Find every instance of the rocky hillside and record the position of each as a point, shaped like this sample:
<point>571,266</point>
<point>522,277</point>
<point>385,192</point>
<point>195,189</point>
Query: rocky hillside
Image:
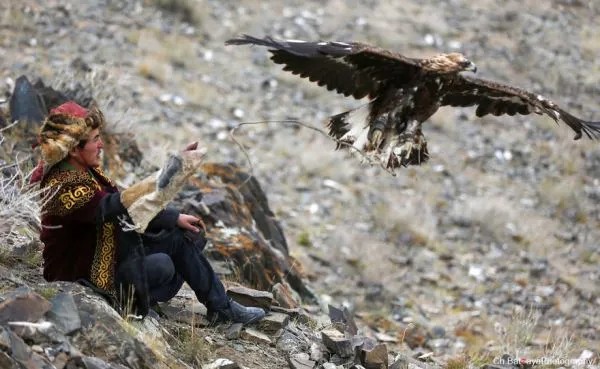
<point>490,248</point>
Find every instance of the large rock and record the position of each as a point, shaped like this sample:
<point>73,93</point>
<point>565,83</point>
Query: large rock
<point>99,337</point>
<point>241,227</point>
<point>23,305</point>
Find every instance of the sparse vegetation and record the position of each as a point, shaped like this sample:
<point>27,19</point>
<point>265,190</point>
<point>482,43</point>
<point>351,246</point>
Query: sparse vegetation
<point>459,362</point>
<point>516,335</point>
<point>188,10</point>
<point>47,292</point>
<point>304,239</point>
<point>19,206</point>
<point>192,346</point>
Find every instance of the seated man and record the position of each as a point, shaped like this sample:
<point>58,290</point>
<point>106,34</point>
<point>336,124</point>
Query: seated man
<point>90,229</point>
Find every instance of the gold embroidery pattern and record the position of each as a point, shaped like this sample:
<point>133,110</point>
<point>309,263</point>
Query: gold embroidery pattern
<point>53,182</point>
<point>71,190</point>
<point>97,185</point>
<point>102,175</point>
<point>80,194</point>
<point>102,274</point>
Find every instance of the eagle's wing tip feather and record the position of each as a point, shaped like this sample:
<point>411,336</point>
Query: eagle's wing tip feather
<point>591,129</point>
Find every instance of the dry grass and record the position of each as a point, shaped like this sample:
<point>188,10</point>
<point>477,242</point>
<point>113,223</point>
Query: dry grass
<point>188,11</point>
<point>47,292</point>
<point>11,14</point>
<point>304,239</point>
<point>20,204</point>
<point>516,338</point>
<point>559,194</point>
<point>190,344</point>
<point>459,362</point>
<point>160,54</point>
<point>516,335</point>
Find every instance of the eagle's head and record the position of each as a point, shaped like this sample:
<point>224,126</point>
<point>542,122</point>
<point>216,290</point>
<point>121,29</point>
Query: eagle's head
<point>449,63</point>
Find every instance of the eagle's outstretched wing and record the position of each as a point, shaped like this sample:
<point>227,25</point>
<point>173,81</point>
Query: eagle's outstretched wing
<point>499,99</point>
<point>352,69</point>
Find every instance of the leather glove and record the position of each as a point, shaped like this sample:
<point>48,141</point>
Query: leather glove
<point>145,199</point>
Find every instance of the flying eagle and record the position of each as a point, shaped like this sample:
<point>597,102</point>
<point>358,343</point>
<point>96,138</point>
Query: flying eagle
<point>403,92</point>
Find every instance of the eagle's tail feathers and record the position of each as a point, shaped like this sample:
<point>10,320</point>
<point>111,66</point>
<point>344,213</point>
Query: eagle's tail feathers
<point>350,127</point>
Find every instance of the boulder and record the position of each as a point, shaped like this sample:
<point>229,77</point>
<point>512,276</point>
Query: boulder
<point>241,228</point>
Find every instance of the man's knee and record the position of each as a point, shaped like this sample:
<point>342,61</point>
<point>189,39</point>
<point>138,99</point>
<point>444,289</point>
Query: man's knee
<point>159,268</point>
<point>195,240</point>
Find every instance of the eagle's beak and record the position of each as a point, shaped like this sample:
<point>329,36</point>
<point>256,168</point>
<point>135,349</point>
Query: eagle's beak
<point>471,67</point>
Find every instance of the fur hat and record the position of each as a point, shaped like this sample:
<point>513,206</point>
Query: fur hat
<point>64,128</point>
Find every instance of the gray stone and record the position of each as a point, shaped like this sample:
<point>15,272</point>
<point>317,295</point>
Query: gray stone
<point>233,331</point>
<point>221,363</point>
<point>253,335</point>
<point>249,297</point>
<point>344,318</point>
<point>4,339</point>
<point>297,314</point>
<point>184,314</point>
<point>316,351</point>
<point>399,363</point>
<point>60,360</point>
<point>64,313</point>
<point>363,342</point>
<point>91,362</point>
<point>239,347</point>
<point>288,342</point>
<point>274,322</point>
<point>18,348</point>
<point>375,358</point>
<point>7,362</point>
<point>23,305</point>
<point>438,343</point>
<point>285,296</point>
<point>301,361</point>
<point>38,361</point>
<point>403,361</point>
<point>336,342</point>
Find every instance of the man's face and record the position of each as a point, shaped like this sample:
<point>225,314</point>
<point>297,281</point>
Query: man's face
<point>89,155</point>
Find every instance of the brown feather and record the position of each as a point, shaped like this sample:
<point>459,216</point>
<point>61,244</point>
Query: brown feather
<point>498,99</point>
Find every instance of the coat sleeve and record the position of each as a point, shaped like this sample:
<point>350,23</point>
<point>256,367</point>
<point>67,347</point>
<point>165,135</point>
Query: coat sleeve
<point>165,219</point>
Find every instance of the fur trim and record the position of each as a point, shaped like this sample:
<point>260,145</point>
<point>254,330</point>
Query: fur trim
<point>64,128</point>
<point>145,199</point>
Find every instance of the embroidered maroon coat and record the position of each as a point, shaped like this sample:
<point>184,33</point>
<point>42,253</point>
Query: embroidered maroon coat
<point>83,239</point>
<point>77,245</point>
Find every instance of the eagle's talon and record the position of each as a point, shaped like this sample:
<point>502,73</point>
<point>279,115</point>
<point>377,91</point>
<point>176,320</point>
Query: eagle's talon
<point>375,140</point>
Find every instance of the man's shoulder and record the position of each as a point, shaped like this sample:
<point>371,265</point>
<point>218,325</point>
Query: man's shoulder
<point>101,175</point>
<point>63,178</point>
<point>68,190</point>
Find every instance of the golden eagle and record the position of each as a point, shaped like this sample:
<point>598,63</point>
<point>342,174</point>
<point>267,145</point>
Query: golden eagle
<point>403,92</point>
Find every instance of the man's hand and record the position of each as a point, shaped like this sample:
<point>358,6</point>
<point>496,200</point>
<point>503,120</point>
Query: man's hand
<point>188,222</point>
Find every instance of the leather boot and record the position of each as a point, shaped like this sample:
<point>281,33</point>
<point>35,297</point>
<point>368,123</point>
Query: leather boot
<point>237,313</point>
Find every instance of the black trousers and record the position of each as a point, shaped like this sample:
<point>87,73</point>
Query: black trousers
<point>175,256</point>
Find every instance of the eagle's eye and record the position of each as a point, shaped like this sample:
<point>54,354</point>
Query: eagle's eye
<point>468,65</point>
